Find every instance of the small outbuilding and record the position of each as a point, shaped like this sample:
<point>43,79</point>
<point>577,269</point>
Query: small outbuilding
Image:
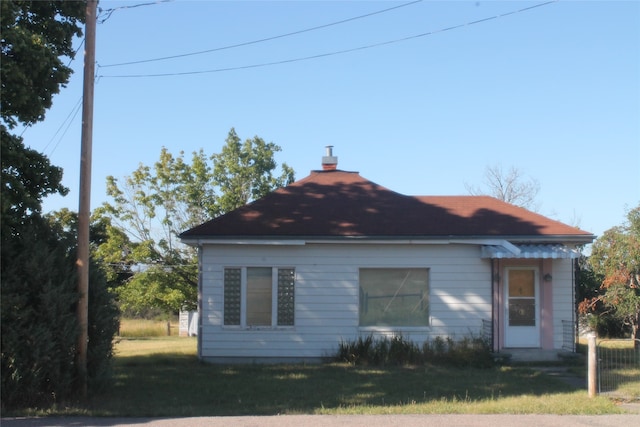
<point>334,257</point>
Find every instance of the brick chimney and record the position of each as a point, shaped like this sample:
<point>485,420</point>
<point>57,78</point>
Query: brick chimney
<point>329,162</point>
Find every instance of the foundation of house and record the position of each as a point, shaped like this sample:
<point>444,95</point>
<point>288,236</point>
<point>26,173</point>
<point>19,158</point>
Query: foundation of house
<point>520,355</point>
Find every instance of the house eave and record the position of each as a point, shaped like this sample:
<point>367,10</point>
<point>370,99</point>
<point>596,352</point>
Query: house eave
<point>507,241</point>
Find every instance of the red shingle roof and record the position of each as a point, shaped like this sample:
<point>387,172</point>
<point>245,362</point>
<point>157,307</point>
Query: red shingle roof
<point>339,204</point>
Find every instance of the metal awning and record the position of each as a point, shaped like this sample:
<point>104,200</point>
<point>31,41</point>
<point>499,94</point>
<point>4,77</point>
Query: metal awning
<point>529,251</point>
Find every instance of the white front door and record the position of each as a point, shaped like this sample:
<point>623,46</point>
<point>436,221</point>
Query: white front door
<point>522,314</point>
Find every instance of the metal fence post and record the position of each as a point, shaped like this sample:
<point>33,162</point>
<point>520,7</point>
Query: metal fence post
<point>592,365</point>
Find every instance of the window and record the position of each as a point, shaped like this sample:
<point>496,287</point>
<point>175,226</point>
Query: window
<point>286,296</point>
<point>232,296</point>
<point>394,297</point>
<point>259,296</point>
<point>522,297</point>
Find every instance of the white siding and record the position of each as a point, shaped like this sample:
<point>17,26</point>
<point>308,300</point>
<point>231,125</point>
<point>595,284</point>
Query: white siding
<point>563,297</point>
<point>327,297</point>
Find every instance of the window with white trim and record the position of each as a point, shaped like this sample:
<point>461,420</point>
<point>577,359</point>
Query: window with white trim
<point>259,296</point>
<point>394,297</point>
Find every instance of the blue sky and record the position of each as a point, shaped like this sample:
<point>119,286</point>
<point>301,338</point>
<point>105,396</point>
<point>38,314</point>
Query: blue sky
<point>420,98</point>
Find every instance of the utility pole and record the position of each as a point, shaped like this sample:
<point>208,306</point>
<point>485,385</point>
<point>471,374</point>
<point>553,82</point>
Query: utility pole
<point>84,211</point>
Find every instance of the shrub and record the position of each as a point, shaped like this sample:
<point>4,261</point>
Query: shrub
<point>469,351</point>
<point>39,324</point>
<point>103,326</point>
<point>397,350</point>
<point>356,352</point>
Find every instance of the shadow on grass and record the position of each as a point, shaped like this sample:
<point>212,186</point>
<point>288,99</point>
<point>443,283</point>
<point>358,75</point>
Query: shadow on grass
<point>181,385</point>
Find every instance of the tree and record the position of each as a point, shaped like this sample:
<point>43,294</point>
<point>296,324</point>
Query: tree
<point>27,177</point>
<point>37,272</point>
<point>616,257</point>
<point>111,251</point>
<point>511,187</point>
<point>151,208</point>
<point>108,244</point>
<point>244,172</point>
<point>36,36</point>
<point>155,204</point>
<point>39,325</point>
<point>103,320</point>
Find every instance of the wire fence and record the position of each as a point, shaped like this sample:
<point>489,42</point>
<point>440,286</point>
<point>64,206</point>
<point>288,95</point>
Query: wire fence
<point>619,368</point>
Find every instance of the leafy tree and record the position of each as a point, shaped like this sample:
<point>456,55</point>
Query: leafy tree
<point>36,36</point>
<point>108,244</point>
<point>616,257</point>
<point>511,187</point>
<point>27,177</point>
<point>244,171</point>
<point>587,288</point>
<point>111,251</point>
<point>37,272</point>
<point>155,204</point>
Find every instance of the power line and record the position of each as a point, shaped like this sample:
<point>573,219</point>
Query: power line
<point>75,52</point>
<point>71,117</point>
<point>334,53</point>
<point>74,111</point>
<point>109,12</point>
<point>264,39</point>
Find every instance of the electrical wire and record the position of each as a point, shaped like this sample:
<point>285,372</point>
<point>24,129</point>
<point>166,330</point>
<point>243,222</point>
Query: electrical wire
<point>68,65</point>
<point>334,53</point>
<point>75,111</point>
<point>263,39</point>
<point>109,12</point>
<point>76,108</point>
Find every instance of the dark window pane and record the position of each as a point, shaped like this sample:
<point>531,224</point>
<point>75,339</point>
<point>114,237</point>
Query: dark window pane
<point>232,296</point>
<point>394,297</point>
<point>286,298</point>
<point>259,291</point>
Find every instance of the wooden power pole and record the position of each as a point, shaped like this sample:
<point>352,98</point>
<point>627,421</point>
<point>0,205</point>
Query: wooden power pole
<point>84,211</point>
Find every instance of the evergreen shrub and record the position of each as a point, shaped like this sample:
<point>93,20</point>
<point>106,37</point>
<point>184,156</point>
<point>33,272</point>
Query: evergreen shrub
<point>39,324</point>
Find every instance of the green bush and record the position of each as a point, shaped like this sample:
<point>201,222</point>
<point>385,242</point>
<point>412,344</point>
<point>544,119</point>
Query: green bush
<point>397,350</point>
<point>39,324</point>
<point>103,326</point>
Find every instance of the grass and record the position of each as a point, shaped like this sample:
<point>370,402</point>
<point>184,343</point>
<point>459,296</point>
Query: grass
<point>134,328</point>
<point>163,377</point>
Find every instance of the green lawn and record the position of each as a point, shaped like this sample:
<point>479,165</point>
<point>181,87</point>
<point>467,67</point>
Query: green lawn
<point>163,377</point>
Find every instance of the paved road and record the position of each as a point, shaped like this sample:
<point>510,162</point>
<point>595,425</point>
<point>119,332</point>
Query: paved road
<point>630,420</point>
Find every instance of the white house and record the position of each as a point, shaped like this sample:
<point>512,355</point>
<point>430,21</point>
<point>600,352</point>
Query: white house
<point>334,256</point>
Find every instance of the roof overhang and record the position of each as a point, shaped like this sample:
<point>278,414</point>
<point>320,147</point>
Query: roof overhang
<point>505,245</point>
<point>554,251</point>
